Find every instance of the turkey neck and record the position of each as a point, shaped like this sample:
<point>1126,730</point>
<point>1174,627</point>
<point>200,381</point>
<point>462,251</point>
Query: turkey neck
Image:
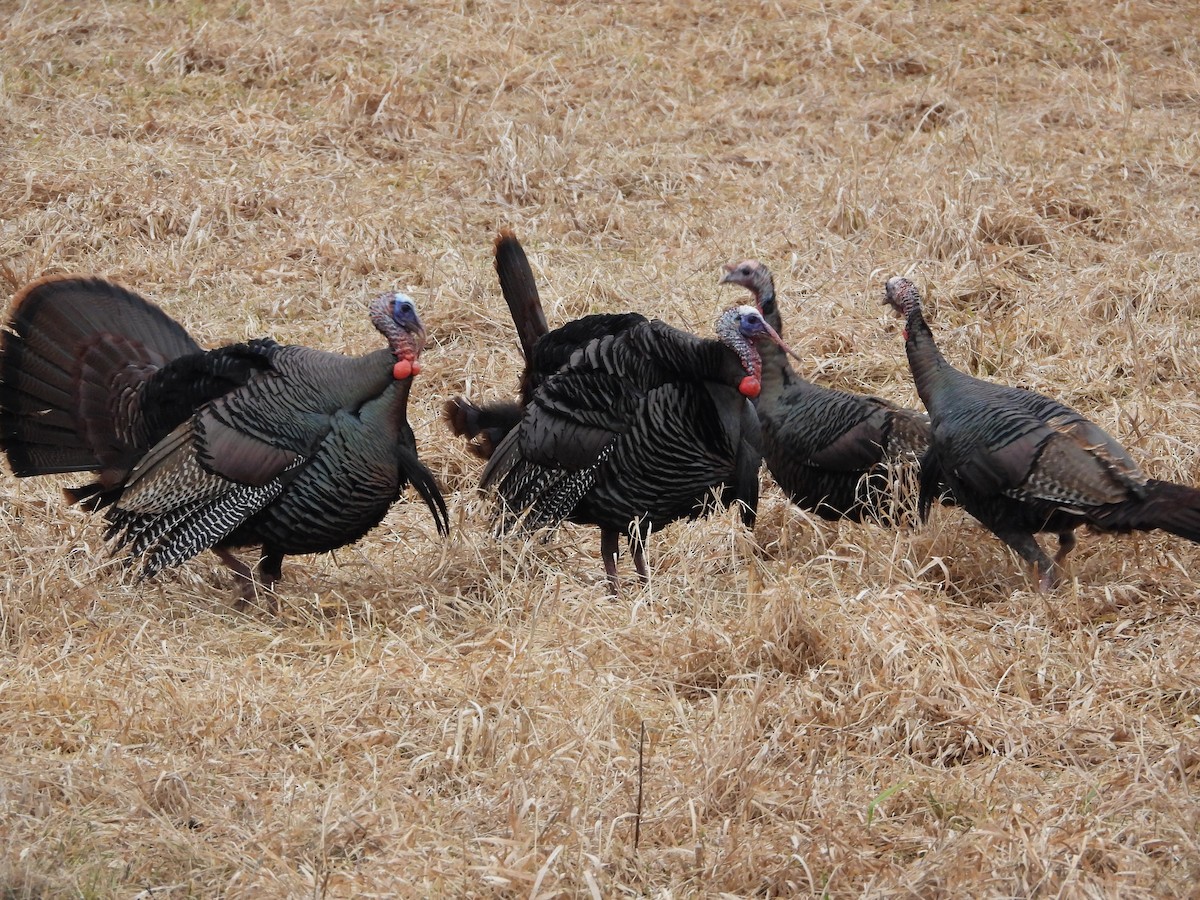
<point>924,358</point>
<point>396,392</point>
<point>777,371</point>
<point>355,383</point>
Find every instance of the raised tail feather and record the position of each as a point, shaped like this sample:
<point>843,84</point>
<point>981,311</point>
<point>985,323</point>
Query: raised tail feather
<point>520,291</point>
<point>74,350</point>
<point>484,426</point>
<point>1166,505</point>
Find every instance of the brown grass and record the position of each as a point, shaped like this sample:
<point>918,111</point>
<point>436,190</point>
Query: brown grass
<point>828,710</point>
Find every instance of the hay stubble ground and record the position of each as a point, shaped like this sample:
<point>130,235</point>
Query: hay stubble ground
<point>827,709</point>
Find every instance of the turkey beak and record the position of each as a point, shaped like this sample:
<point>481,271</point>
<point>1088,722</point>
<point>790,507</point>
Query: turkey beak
<point>779,342</point>
<point>728,276</point>
<point>789,351</point>
<point>417,330</point>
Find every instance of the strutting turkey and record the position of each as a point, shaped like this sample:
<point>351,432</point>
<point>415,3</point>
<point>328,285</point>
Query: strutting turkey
<point>1022,463</point>
<point>545,351</point>
<point>639,429</point>
<point>838,454</point>
<point>256,443</point>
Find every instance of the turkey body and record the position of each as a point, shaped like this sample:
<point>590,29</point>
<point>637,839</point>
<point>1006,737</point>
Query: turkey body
<point>1023,463</point>
<point>639,429</point>
<point>545,351</point>
<point>293,449</point>
<point>838,454</point>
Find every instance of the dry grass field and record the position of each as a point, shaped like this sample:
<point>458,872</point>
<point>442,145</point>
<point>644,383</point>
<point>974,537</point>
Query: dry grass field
<point>827,710</point>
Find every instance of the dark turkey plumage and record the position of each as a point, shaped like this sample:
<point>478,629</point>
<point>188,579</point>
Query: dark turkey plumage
<point>838,454</point>
<point>1022,463</point>
<point>545,352</point>
<point>639,429</point>
<point>293,449</point>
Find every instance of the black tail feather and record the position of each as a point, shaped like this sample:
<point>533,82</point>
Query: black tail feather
<point>1166,505</point>
<point>68,339</point>
<point>520,291</point>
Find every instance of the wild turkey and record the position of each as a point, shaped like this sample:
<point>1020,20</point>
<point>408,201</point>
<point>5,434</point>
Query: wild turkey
<point>1022,463</point>
<point>545,351</point>
<point>293,449</point>
<point>639,429</point>
<point>838,454</point>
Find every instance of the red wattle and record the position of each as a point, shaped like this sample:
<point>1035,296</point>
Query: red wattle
<point>403,369</point>
<point>750,387</point>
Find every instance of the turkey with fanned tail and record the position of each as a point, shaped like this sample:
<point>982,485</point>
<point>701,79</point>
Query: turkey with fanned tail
<point>288,448</point>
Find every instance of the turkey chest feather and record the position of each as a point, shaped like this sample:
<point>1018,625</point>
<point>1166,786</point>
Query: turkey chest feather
<point>287,448</point>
